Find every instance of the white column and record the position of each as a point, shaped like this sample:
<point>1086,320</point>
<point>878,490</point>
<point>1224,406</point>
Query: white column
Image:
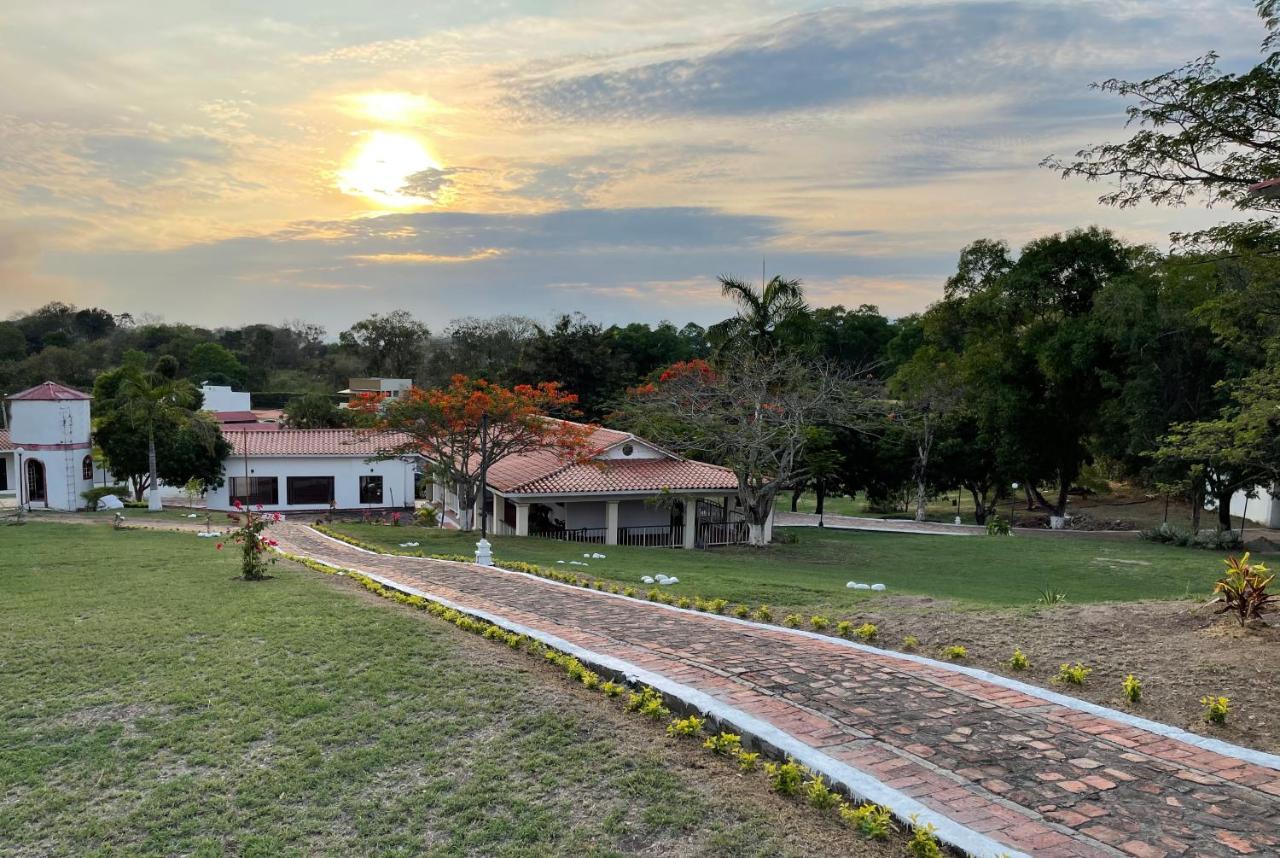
<point>496,524</point>
<point>522,519</point>
<point>611,522</point>
<point>690,523</point>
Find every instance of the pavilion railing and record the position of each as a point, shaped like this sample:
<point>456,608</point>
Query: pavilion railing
<point>654,536</point>
<point>579,534</point>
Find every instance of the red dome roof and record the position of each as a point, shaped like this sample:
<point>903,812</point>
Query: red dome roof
<point>50,391</point>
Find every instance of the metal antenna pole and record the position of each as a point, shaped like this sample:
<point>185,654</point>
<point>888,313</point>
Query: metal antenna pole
<point>484,475</point>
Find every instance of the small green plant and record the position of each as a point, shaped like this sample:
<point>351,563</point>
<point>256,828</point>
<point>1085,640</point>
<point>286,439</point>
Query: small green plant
<point>741,611</point>
<point>819,622</point>
<point>747,760</point>
<point>629,591</point>
<point>955,652</point>
<point>998,526</point>
<point>764,614</point>
<point>1132,686</point>
<point>649,703</point>
<point>1215,709</point>
<point>844,628</point>
<point>1072,674</point>
<point>867,632</point>
<point>686,602</point>
<point>690,726</point>
<point>1243,590</point>
<point>871,820</point>
<point>717,606</point>
<point>1050,596</point>
<point>785,778</point>
<point>1018,661</point>
<point>911,643</point>
<point>792,621</point>
<point>819,795</point>
<point>724,744</point>
<point>923,843</point>
<point>426,516</point>
<point>612,689</point>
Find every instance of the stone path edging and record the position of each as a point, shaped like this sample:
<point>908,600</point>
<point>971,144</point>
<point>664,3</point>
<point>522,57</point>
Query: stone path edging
<point>857,783</point>
<point>1218,746</point>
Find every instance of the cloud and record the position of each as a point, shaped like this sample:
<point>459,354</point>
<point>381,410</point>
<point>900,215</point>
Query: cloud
<point>141,160</point>
<point>424,258</point>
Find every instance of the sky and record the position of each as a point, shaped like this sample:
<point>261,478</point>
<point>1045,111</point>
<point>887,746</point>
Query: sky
<point>234,162</point>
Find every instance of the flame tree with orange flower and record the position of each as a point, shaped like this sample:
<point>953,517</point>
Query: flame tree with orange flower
<point>471,424</point>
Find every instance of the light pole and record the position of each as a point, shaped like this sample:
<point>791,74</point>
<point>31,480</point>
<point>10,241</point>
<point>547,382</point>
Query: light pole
<point>484,475</point>
<point>1012,500</point>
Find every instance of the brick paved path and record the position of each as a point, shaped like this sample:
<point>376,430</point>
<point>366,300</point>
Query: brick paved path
<point>1035,776</point>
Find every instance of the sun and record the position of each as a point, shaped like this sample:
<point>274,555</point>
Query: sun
<point>380,166</point>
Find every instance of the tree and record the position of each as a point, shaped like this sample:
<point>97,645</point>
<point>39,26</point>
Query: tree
<point>576,353</point>
<point>930,388</point>
<point>148,402</point>
<point>212,364</point>
<point>1202,133</point>
<point>763,314</point>
<point>394,345</point>
<point>755,414</point>
<point>471,424</point>
<point>315,411</point>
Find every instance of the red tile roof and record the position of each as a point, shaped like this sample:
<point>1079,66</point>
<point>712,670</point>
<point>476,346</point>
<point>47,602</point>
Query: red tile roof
<point>50,391</point>
<point>6,444</point>
<point>546,472</point>
<point>235,416</point>
<point>311,442</point>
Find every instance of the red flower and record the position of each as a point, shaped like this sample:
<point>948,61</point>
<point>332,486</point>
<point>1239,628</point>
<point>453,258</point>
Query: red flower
<point>218,546</point>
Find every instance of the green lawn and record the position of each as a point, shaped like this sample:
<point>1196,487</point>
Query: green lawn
<point>811,573</point>
<point>152,704</point>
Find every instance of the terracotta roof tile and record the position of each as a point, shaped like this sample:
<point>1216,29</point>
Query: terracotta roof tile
<point>50,391</point>
<point>6,443</point>
<point>311,442</point>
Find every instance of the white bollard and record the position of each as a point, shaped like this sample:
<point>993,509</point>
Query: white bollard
<point>484,553</point>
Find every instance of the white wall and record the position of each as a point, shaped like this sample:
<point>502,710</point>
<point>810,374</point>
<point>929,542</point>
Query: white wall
<point>1263,509</point>
<point>49,422</point>
<point>221,398</point>
<point>639,450</point>
<point>63,477</point>
<point>397,479</point>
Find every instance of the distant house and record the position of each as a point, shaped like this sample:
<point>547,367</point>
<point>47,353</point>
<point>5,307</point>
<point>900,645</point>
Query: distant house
<point>626,495</point>
<point>46,456</point>
<point>314,470</point>
<point>381,388</point>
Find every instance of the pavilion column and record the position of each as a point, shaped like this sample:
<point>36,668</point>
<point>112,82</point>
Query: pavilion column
<point>611,522</point>
<point>496,524</point>
<point>690,523</point>
<point>522,519</point>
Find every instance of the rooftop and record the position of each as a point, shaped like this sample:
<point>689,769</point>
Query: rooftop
<point>310,442</point>
<point>50,391</point>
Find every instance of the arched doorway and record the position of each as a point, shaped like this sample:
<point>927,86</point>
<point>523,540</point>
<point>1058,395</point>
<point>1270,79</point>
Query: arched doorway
<point>36,491</point>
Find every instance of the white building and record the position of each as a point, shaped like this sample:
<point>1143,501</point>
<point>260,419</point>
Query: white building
<point>46,454</point>
<point>220,398</point>
<point>379,388</point>
<point>629,492</point>
<point>1263,508</point>
<point>314,470</point>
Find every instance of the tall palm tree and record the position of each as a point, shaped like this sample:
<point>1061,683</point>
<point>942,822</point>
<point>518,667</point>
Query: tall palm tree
<point>149,400</point>
<point>760,311</point>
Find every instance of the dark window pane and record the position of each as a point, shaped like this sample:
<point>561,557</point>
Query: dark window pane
<point>86,468</point>
<point>255,490</point>
<point>310,490</point>
<point>371,489</point>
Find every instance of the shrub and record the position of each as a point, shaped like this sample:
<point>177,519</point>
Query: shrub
<point>724,744</point>
<point>629,591</point>
<point>747,760</point>
<point>649,703</point>
<point>685,602</point>
<point>1072,674</point>
<point>871,820</point>
<point>923,844</point>
<point>717,606</point>
<point>955,652</point>
<point>255,544</point>
<point>819,622</point>
<point>844,628</point>
<point>818,794</point>
<point>741,611</point>
<point>612,689</point>
<point>867,632</point>
<point>1132,686</point>
<point>653,595</point>
<point>690,726</point>
<point>792,621</point>
<point>1215,709</point>
<point>911,643</point>
<point>1218,540</point>
<point>1018,661</point>
<point>785,778</point>
<point>1166,534</point>
<point>1243,590</point>
<point>1050,596</point>
<point>764,614</point>
<point>426,516</point>
<point>997,526</point>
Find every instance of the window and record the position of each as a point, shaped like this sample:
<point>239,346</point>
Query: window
<point>316,491</point>
<point>4,476</point>
<point>627,449</point>
<point>255,490</point>
<point>371,489</point>
<point>86,468</point>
